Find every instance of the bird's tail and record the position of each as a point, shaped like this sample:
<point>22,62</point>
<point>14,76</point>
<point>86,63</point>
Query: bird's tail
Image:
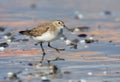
<point>27,32</point>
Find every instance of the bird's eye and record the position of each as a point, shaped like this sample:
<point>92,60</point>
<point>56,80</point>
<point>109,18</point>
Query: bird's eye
<point>59,22</point>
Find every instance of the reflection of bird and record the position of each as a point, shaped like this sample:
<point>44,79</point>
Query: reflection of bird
<point>46,32</point>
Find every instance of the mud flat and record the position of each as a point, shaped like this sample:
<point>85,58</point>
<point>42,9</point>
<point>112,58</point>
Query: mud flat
<point>91,53</point>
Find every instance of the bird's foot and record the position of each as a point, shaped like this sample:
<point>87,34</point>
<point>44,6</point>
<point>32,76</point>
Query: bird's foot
<point>58,50</point>
<point>56,59</point>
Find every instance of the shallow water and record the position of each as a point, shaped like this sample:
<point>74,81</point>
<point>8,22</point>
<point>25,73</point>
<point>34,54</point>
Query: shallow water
<point>97,61</point>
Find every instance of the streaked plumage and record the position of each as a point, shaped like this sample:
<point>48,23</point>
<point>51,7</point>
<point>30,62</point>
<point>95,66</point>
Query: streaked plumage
<point>46,32</point>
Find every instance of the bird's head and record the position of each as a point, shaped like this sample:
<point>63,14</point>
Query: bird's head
<point>59,23</point>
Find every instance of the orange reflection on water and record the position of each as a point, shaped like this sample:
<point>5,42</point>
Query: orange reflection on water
<point>18,24</point>
<point>32,52</point>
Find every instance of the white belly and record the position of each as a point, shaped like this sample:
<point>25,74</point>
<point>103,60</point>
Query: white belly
<point>47,37</point>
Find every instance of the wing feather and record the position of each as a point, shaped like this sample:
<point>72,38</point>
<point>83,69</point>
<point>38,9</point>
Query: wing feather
<point>39,30</point>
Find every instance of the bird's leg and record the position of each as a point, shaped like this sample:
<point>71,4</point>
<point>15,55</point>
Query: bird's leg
<point>43,52</point>
<point>56,59</point>
<point>55,48</point>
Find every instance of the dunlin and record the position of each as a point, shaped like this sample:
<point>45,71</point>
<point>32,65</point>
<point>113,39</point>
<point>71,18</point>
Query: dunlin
<point>46,32</point>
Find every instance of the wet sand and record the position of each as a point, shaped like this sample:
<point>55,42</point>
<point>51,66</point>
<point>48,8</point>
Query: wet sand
<point>96,61</point>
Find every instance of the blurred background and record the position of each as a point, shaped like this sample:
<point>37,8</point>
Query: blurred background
<point>96,60</point>
<point>92,13</point>
<point>66,10</point>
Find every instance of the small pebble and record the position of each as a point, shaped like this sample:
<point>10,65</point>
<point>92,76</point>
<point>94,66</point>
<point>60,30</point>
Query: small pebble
<point>36,44</point>
<point>20,62</point>
<point>9,41</point>
<point>76,30</point>
<point>86,46</point>
<point>38,66</point>
<point>37,75</point>
<point>75,40</point>
<point>83,80</point>
<point>82,35</point>
<point>2,49</point>
<point>78,15</point>
<point>82,41</point>
<point>53,69</point>
<point>4,44</point>
<point>30,64</point>
<point>29,75</point>
<point>105,72</point>
<point>107,12</point>
<point>71,81</point>
<point>117,72</point>
<point>12,75</point>
<point>45,79</point>
<point>68,42</point>
<point>2,29</point>
<point>106,81</point>
<point>91,38</point>
<point>63,38</point>
<point>67,72</point>
<point>26,69</point>
<point>33,6</point>
<point>110,41</point>
<point>89,41</point>
<point>5,37</point>
<point>89,73</point>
